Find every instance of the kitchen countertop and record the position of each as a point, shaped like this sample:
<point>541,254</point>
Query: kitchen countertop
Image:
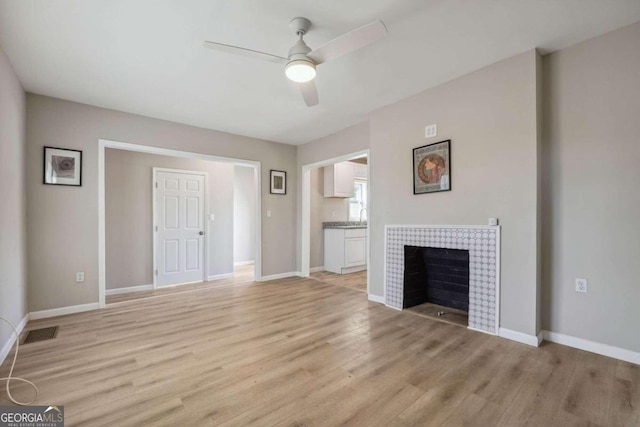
<point>344,224</point>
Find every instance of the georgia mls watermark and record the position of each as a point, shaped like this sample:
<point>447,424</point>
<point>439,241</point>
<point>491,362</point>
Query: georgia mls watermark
<point>31,416</point>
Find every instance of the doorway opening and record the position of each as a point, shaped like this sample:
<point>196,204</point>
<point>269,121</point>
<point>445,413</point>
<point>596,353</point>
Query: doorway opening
<point>335,227</point>
<point>169,215</point>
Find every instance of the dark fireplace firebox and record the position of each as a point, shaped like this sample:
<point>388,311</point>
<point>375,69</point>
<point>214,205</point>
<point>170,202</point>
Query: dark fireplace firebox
<point>436,275</point>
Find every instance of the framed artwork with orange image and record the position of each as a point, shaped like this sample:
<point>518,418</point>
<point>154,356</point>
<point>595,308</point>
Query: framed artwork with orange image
<point>432,168</point>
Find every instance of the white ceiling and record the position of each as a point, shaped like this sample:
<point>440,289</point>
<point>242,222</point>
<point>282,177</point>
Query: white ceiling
<point>146,56</point>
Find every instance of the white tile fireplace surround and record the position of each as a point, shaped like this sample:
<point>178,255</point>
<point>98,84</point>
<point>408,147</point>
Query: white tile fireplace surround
<point>483,244</point>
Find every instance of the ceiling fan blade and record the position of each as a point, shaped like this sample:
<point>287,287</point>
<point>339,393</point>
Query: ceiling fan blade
<point>246,52</point>
<point>309,93</point>
<point>349,42</point>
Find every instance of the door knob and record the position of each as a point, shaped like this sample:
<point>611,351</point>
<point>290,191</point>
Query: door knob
<point>201,233</point>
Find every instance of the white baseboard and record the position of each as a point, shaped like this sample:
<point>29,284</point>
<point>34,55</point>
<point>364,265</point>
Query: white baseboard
<point>316,269</point>
<point>279,276</point>
<point>6,348</point>
<point>481,331</point>
<point>593,347</point>
<point>348,270</point>
<point>239,263</point>
<point>44,314</point>
<point>390,306</point>
<point>219,276</point>
<point>118,291</point>
<point>375,298</point>
<point>532,340</point>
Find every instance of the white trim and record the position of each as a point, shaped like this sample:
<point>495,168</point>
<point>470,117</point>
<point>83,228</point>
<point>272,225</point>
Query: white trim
<point>54,312</point>
<point>315,269</point>
<point>368,235</point>
<point>375,298</point>
<point>102,264</point>
<point>593,347</point>
<point>118,291</point>
<point>390,306</point>
<point>6,349</point>
<point>481,330</point>
<point>280,276</point>
<point>219,276</point>
<point>482,227</point>
<point>239,263</point>
<point>349,270</point>
<point>154,219</point>
<point>103,144</point>
<point>531,340</point>
<point>257,172</point>
<point>305,231</point>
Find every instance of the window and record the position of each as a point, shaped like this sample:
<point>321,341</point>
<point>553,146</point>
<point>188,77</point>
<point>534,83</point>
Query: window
<point>358,203</point>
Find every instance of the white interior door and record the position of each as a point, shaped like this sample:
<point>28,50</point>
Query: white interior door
<point>180,228</point>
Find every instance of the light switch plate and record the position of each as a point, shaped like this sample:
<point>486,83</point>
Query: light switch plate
<point>80,277</point>
<point>431,131</point>
<point>268,213</point>
<point>581,285</point>
<point>212,217</point>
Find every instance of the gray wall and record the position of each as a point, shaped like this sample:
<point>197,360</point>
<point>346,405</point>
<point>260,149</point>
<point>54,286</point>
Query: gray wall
<point>13,274</point>
<point>591,170</point>
<point>129,214</point>
<point>244,207</point>
<point>490,116</point>
<point>63,221</point>
<point>321,211</point>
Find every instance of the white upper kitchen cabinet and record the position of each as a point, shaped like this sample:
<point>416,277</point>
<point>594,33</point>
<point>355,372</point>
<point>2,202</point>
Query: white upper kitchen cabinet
<point>338,180</point>
<point>360,171</point>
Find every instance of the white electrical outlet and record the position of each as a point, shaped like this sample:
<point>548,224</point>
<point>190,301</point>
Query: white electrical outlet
<point>431,131</point>
<point>493,221</point>
<point>212,217</point>
<point>80,277</point>
<point>581,285</point>
<point>268,213</point>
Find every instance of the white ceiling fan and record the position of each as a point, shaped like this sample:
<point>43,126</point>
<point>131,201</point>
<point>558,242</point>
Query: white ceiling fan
<point>300,65</point>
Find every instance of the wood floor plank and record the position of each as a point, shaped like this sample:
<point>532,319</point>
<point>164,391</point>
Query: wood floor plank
<point>592,379</point>
<point>308,352</point>
<point>625,400</point>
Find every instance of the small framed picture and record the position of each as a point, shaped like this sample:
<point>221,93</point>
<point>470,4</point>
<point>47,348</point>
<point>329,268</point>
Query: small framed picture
<point>432,168</point>
<point>62,166</point>
<point>278,182</point>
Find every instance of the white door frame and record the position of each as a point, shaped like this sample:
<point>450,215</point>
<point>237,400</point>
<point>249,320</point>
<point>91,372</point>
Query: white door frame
<point>205,221</point>
<point>305,247</point>
<point>103,144</point>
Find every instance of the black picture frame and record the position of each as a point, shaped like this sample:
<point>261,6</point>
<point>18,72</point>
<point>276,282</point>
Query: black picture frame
<point>437,178</point>
<point>277,182</point>
<point>67,159</point>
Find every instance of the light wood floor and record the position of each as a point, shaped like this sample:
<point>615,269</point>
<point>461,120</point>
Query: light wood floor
<point>357,281</point>
<point>296,352</point>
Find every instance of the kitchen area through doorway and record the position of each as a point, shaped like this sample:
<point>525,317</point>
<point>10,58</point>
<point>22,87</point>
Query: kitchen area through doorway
<point>338,223</point>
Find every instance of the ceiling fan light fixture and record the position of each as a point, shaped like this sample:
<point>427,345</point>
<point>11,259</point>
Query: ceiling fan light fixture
<point>300,71</point>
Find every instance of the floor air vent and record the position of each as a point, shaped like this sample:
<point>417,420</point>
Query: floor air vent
<point>43,334</point>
